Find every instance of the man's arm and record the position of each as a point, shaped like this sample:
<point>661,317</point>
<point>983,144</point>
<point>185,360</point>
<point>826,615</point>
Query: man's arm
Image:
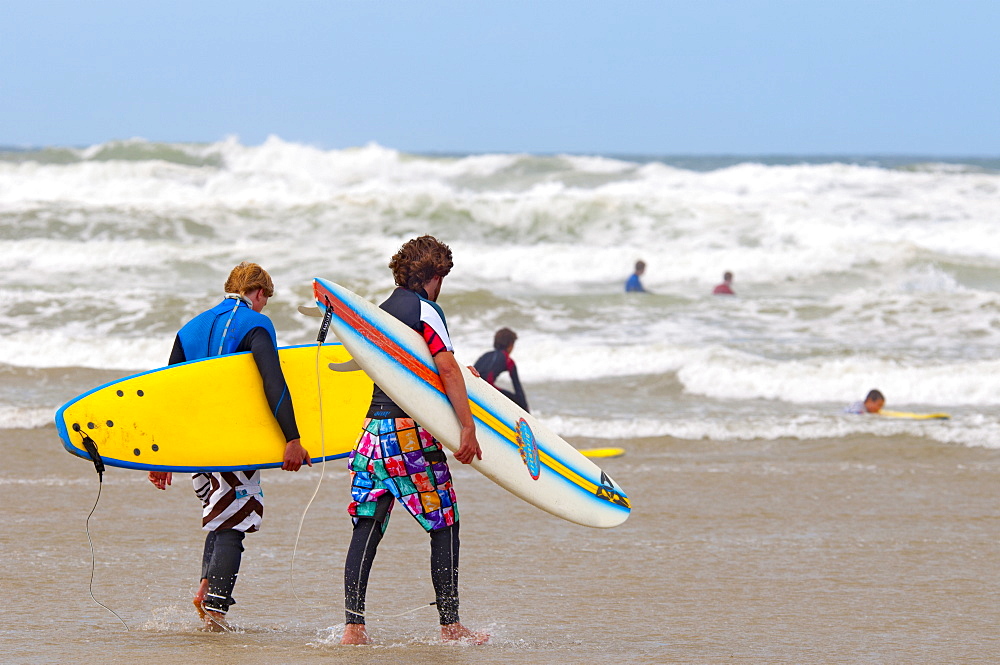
<point>177,353</point>
<point>454,387</point>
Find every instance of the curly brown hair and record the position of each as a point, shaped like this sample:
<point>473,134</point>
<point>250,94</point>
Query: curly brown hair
<point>247,277</point>
<point>419,260</point>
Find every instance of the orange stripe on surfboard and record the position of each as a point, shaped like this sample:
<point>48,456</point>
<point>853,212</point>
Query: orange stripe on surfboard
<point>377,337</point>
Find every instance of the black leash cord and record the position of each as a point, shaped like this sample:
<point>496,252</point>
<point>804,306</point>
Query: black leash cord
<point>91,448</point>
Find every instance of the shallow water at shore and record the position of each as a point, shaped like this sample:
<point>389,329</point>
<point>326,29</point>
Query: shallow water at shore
<point>861,550</point>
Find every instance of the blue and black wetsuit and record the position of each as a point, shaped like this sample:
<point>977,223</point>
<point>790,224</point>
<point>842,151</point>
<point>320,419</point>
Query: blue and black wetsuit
<point>633,284</point>
<point>232,501</point>
<point>233,327</point>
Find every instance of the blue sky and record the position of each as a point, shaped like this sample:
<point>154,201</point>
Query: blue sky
<point>627,77</point>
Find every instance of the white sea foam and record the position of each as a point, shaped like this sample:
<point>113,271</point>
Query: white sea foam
<point>974,430</point>
<point>48,348</point>
<point>720,375</point>
<point>724,374</point>
<point>19,417</point>
<point>767,223</point>
<point>849,277</point>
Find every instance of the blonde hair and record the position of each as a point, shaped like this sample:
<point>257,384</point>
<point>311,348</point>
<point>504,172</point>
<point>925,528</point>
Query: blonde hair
<point>247,277</point>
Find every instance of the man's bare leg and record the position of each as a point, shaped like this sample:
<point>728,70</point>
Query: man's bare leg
<point>355,633</point>
<point>456,632</point>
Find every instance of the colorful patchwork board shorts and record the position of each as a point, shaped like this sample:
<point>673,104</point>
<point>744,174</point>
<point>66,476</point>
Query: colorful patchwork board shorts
<point>398,457</point>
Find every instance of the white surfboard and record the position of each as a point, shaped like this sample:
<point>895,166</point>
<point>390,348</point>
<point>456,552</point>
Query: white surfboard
<point>520,453</point>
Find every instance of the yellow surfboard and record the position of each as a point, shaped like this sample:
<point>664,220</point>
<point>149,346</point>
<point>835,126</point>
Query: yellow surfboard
<point>212,415</point>
<point>914,416</point>
<point>602,452</point>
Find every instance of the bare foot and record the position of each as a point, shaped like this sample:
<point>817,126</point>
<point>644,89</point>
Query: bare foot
<point>355,633</point>
<point>456,632</point>
<point>215,622</point>
<point>199,599</point>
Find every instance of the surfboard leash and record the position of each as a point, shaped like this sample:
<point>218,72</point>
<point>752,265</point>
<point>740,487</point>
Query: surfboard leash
<point>324,330</point>
<point>95,457</point>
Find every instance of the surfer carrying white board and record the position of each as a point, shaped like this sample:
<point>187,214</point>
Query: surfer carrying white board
<point>397,459</point>
<point>494,363</point>
<point>232,501</point>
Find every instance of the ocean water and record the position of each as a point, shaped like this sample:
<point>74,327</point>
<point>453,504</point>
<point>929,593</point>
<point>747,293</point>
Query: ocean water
<point>851,274</point>
<point>767,525</point>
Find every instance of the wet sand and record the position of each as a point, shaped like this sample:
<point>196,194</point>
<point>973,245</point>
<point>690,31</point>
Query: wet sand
<point>835,551</point>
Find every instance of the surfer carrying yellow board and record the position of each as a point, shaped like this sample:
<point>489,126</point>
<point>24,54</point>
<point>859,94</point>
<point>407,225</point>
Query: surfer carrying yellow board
<point>232,501</point>
<point>396,458</point>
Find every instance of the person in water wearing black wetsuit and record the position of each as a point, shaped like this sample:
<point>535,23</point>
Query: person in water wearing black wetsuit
<point>494,363</point>
<point>232,501</point>
<point>397,459</point>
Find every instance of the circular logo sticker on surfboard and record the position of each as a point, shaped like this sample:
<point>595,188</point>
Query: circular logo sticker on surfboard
<point>529,448</point>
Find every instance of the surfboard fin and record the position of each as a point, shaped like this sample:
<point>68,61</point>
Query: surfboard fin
<point>350,366</point>
<point>310,311</point>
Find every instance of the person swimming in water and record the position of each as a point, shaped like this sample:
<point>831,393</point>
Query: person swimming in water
<point>633,283</point>
<point>726,287</point>
<point>873,403</point>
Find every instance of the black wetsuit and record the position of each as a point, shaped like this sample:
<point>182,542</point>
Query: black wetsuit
<point>494,363</point>
<point>424,316</point>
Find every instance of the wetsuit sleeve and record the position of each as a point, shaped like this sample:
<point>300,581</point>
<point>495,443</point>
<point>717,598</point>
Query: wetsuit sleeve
<point>258,341</point>
<point>434,341</point>
<point>177,353</point>
<point>519,397</point>
<point>433,328</point>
